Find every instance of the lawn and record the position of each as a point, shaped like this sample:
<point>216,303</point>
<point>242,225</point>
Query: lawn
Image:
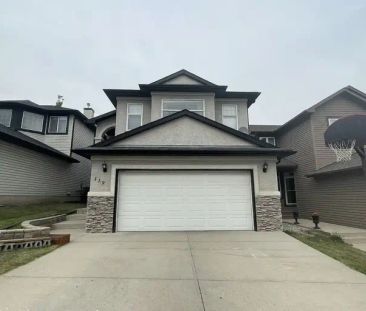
<point>13,259</point>
<point>13,215</point>
<point>333,246</point>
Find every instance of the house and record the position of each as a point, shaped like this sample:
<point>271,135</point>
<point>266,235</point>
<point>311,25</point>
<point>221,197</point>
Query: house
<point>36,158</point>
<point>181,159</point>
<point>311,180</point>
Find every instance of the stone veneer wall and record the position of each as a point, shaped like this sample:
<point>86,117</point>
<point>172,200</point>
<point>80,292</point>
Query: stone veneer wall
<point>99,214</point>
<point>269,216</point>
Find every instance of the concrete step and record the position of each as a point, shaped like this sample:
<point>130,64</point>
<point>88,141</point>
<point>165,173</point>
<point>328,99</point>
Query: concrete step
<point>69,224</point>
<point>76,217</point>
<point>81,210</point>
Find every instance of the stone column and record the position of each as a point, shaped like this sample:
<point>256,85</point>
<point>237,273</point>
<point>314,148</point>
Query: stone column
<point>269,216</point>
<point>99,215</point>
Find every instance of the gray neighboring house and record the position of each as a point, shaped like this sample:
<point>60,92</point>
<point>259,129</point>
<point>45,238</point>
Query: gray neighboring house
<point>311,180</point>
<point>181,159</point>
<point>36,158</point>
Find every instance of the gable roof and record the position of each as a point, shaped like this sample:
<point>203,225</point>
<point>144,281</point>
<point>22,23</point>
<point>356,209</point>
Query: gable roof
<point>306,113</point>
<point>203,86</point>
<point>17,138</point>
<point>183,72</point>
<point>259,148</point>
<point>177,115</point>
<point>263,128</point>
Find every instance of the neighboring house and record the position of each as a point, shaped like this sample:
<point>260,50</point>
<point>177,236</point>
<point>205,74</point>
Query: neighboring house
<point>181,159</point>
<point>36,158</point>
<point>311,180</point>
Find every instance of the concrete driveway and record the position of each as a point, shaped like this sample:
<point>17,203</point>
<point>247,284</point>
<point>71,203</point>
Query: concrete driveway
<point>183,271</point>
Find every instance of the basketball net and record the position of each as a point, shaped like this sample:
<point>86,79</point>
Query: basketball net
<point>343,149</point>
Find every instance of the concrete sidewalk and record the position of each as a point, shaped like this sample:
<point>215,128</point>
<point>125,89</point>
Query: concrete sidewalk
<point>146,271</point>
<point>354,236</point>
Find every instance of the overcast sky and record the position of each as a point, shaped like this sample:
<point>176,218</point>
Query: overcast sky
<point>294,52</point>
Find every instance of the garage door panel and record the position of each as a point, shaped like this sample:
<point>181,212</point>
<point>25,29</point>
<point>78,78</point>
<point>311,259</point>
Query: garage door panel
<point>184,200</point>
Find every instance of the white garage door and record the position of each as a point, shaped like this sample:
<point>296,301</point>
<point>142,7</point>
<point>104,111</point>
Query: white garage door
<point>159,200</point>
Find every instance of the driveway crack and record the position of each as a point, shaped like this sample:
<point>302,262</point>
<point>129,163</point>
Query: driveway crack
<point>195,273</point>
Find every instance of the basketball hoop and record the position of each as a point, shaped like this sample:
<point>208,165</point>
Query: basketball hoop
<point>343,149</point>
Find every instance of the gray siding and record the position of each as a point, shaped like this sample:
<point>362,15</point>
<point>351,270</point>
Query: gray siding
<point>338,198</point>
<point>339,107</point>
<point>83,136</point>
<point>24,172</point>
<point>300,138</point>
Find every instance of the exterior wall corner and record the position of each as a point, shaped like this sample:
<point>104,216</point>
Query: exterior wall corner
<point>99,215</point>
<point>268,212</point>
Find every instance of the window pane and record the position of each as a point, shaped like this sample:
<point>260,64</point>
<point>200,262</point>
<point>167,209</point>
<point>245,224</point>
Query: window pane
<point>133,121</point>
<point>5,116</point>
<point>134,109</point>
<point>62,124</point>
<point>290,184</point>
<point>52,126</point>
<point>181,105</point>
<point>230,121</point>
<point>271,140</point>
<point>229,110</point>
<point>32,121</point>
<point>291,197</point>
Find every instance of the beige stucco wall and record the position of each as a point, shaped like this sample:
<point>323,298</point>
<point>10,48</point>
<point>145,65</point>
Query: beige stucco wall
<point>184,131</point>
<point>157,98</point>
<point>242,108</point>
<point>103,184</point>
<point>121,111</point>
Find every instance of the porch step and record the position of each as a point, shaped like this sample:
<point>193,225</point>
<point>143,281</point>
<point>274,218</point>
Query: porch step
<point>76,217</point>
<point>70,224</point>
<point>81,210</point>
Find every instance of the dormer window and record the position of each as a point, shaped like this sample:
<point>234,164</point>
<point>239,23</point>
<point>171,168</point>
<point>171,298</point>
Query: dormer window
<point>134,116</point>
<point>230,115</point>
<point>170,106</point>
<point>32,121</point>
<point>5,117</point>
<point>57,125</point>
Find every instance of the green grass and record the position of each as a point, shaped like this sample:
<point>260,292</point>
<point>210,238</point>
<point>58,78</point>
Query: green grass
<point>13,215</point>
<point>13,259</point>
<point>333,246</point>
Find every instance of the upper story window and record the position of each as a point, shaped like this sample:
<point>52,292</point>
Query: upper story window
<point>134,116</point>
<point>5,116</point>
<point>230,115</point>
<point>32,121</point>
<point>57,125</point>
<point>171,106</point>
<point>269,140</point>
<point>331,120</point>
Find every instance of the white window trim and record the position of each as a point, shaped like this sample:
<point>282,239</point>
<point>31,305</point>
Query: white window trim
<point>285,176</point>
<point>127,114</point>
<point>11,116</point>
<point>330,118</point>
<point>21,126</point>
<point>58,123</point>
<point>266,139</point>
<point>236,114</point>
<point>183,100</point>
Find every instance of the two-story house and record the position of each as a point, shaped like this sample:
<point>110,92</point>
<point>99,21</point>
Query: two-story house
<point>176,155</point>
<point>311,180</point>
<point>36,158</point>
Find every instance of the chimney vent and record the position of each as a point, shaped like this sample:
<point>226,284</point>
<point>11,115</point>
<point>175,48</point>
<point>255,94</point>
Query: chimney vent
<point>60,100</point>
<point>88,111</point>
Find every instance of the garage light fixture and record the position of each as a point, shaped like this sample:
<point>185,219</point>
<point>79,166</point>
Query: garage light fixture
<point>265,167</point>
<point>104,167</point>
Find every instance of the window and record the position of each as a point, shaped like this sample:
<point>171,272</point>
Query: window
<point>32,121</point>
<point>172,106</point>
<point>290,191</point>
<point>57,125</point>
<point>331,120</point>
<point>5,116</point>
<point>230,115</point>
<point>134,116</point>
<point>108,133</point>
<point>269,140</point>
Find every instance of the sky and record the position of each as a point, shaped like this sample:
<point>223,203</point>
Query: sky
<point>294,52</point>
